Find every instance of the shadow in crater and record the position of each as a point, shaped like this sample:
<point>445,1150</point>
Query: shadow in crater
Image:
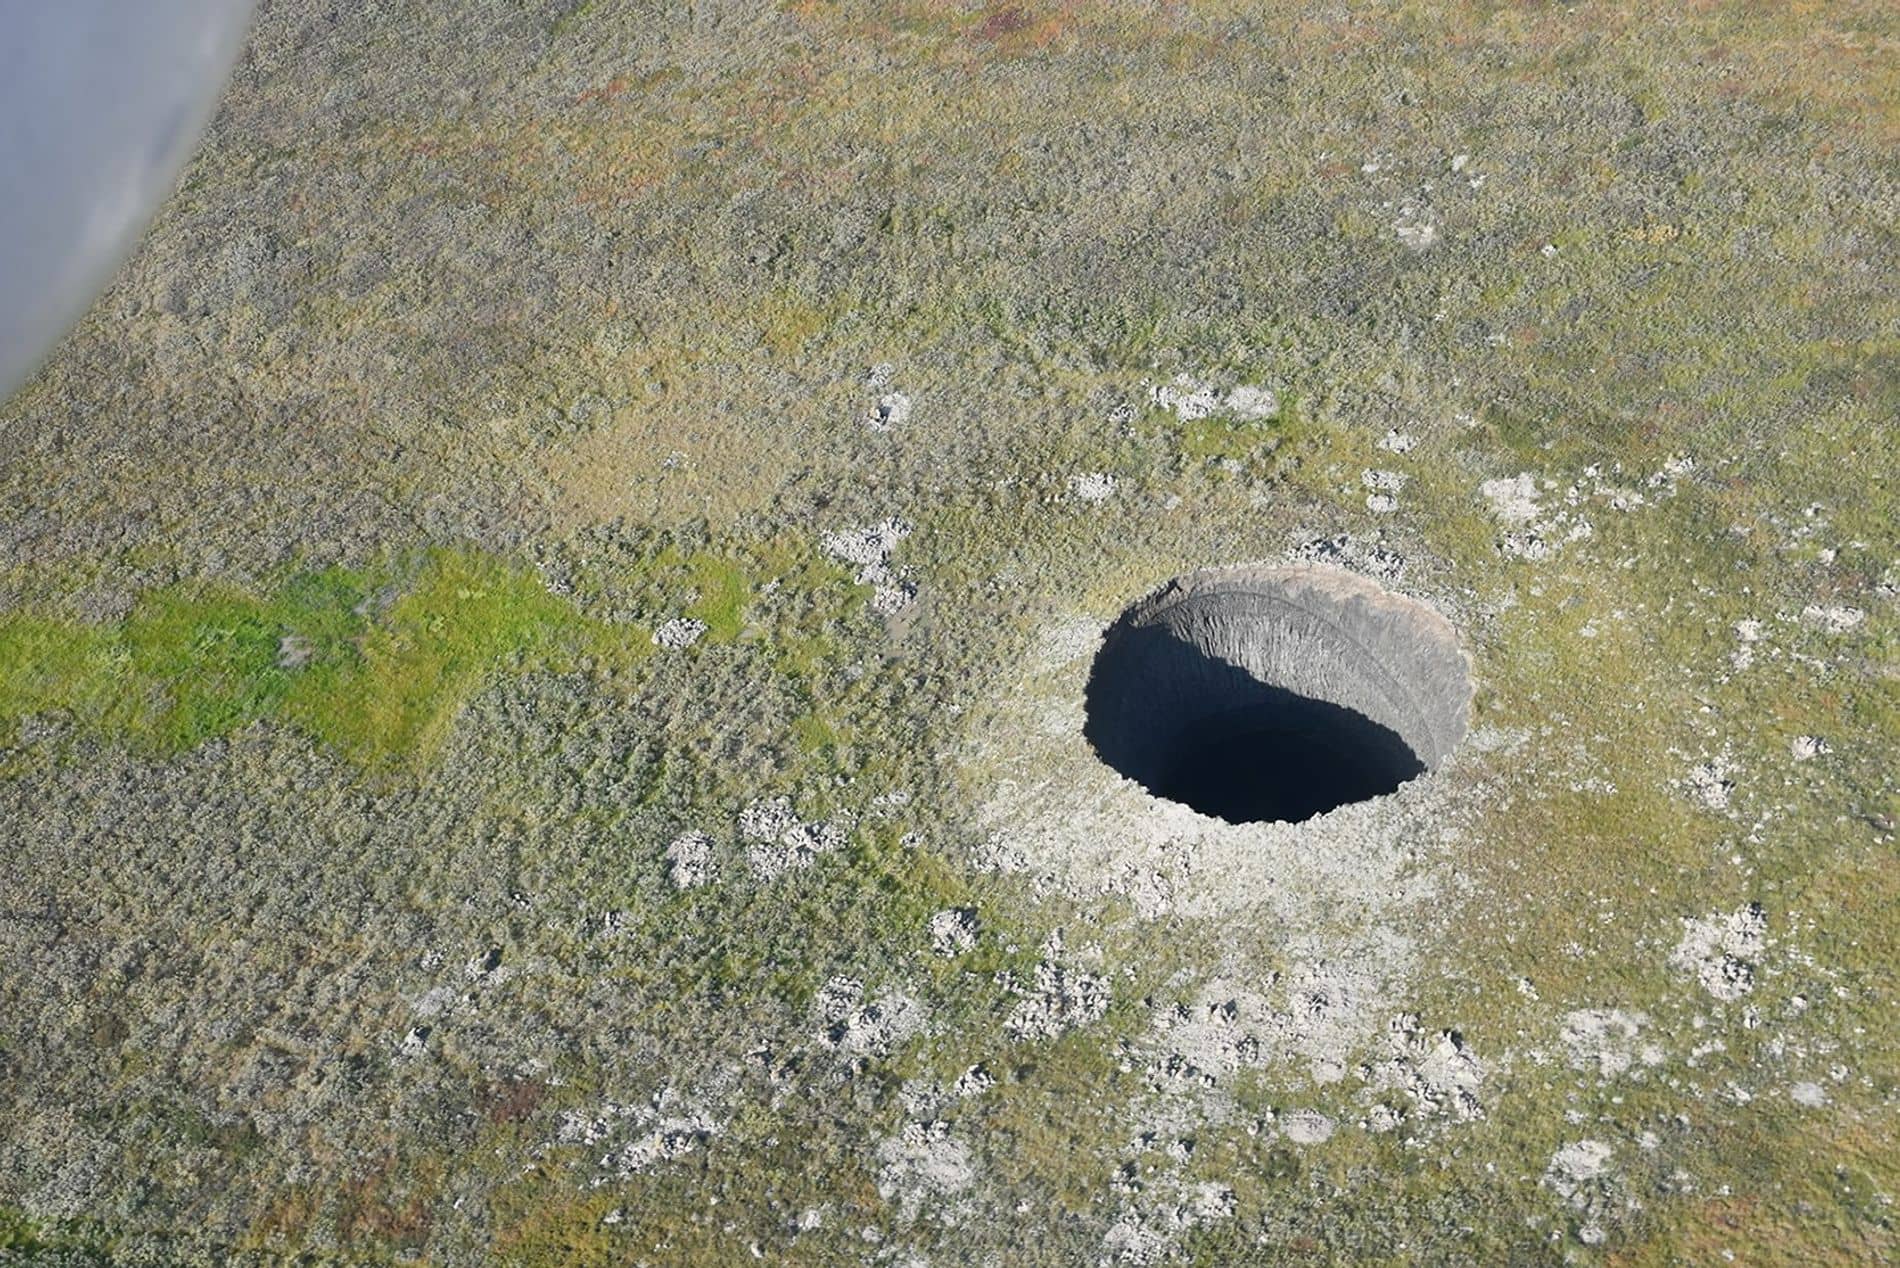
<point>1197,729</point>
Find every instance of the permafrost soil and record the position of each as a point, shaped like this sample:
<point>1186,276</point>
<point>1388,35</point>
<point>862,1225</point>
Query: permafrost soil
<point>1276,694</point>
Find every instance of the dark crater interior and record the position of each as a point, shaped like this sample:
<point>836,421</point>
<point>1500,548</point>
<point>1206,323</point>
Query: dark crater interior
<point>1259,694</point>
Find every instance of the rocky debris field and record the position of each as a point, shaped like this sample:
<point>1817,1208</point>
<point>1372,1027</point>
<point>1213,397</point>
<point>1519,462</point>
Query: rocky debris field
<point>545,622</point>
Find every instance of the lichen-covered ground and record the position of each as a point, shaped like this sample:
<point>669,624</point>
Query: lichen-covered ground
<point>543,622</point>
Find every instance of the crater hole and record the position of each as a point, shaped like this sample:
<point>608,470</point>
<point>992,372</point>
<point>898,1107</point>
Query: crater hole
<point>1276,694</point>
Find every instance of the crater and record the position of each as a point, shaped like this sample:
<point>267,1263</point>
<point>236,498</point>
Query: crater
<point>1258,694</point>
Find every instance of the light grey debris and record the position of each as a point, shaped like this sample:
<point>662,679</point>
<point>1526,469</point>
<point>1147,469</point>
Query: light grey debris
<point>486,967</point>
<point>1722,951</point>
<point>1606,1040</point>
<point>670,1125</point>
<point>1437,1069</point>
<point>1190,400</point>
<point>838,998</point>
<point>1807,746</point>
<point>880,1027</point>
<point>1832,618</point>
<point>973,1082</point>
<point>1809,1095</point>
<point>1092,486</point>
<point>435,1001</point>
<point>689,860</point>
<point>778,842</point>
<point>1353,555</point>
<point>681,631</point>
<point>1747,634</point>
<point>1396,441</point>
<point>1513,499</point>
<point>673,1136</point>
<point>1575,1165</point>
<point>1383,481</point>
<point>870,548</point>
<point>1250,403</point>
<point>1061,999</point>
<point>1207,1040</point>
<point>922,1164</point>
<point>996,853</point>
<point>866,547</point>
<point>953,931</point>
<point>1211,1201</point>
<point>1673,468</point>
<point>1150,1232</point>
<point>294,651</point>
<point>1530,532</point>
<point>1418,234</point>
<point>1382,1118</point>
<point>1526,545</point>
<point>1135,1239</point>
<point>798,848</point>
<point>891,411</point>
<point>767,820</point>
<point>1711,784</point>
<point>889,600</point>
<point>1448,1075</point>
<point>1307,1127</point>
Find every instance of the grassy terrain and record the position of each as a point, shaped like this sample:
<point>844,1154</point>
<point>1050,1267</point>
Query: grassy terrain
<point>344,780</point>
<point>194,662</point>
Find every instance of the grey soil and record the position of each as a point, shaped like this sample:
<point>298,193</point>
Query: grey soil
<point>1262,694</point>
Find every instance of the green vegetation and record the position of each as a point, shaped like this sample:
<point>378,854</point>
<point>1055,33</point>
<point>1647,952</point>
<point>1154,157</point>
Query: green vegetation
<point>723,590</point>
<point>405,676</point>
<point>197,661</point>
<point>60,665</point>
<point>340,917</point>
<point>375,662</point>
<point>26,1240</point>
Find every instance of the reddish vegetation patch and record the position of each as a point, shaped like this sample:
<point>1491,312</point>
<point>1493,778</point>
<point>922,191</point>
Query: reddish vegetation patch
<point>287,1217</point>
<point>615,87</point>
<point>385,1206</point>
<point>1011,29</point>
<point>1001,22</point>
<point>510,1100</point>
